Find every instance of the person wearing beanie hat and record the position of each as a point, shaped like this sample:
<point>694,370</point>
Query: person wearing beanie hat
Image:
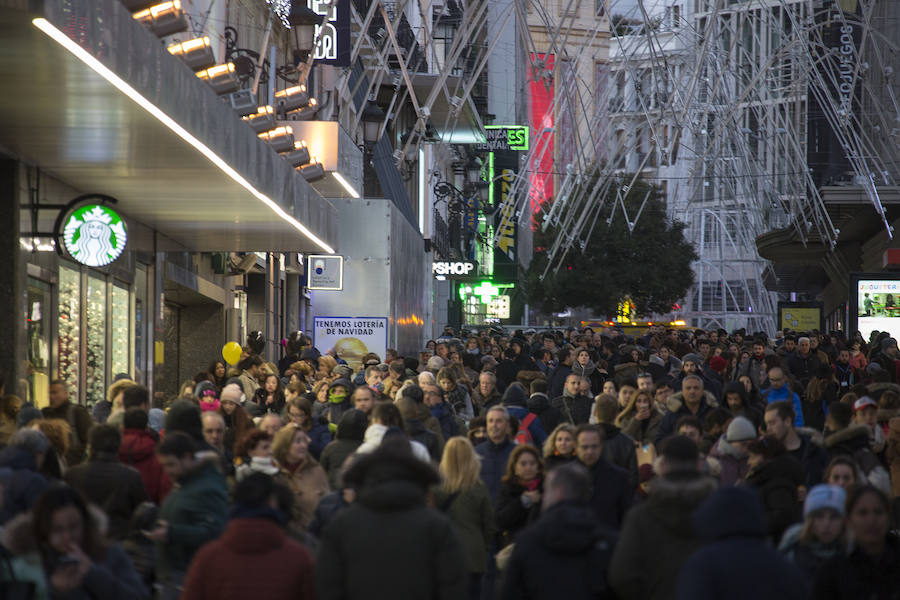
<point>339,392</point>
<point>822,534</point>
<point>740,430</point>
<point>718,364</point>
<point>657,536</point>
<point>730,453</point>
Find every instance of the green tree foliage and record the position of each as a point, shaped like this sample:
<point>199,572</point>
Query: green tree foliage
<point>651,264</point>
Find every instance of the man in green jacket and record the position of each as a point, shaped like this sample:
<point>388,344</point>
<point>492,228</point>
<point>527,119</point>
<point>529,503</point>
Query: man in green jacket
<point>191,515</point>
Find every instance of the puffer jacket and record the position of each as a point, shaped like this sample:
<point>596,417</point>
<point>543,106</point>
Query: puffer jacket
<point>138,450</point>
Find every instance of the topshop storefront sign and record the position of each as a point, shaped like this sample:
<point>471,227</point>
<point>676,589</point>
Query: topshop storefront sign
<point>444,269</point>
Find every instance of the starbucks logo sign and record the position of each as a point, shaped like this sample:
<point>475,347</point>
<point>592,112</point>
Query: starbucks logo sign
<point>94,235</point>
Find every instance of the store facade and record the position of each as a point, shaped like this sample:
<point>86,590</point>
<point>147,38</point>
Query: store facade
<point>189,179</point>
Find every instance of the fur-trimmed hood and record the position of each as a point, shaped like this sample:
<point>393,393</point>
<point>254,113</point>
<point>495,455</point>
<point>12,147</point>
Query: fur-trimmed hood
<point>17,535</point>
<point>853,435</point>
<point>815,436</point>
<point>676,401</point>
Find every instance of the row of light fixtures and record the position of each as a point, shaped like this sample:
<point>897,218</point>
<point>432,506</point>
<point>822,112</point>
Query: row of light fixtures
<point>292,104</point>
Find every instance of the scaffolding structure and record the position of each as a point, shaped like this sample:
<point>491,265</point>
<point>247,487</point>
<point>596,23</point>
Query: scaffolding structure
<point>740,111</point>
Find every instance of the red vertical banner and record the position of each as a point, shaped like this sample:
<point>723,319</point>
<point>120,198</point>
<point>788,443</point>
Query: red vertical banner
<point>540,102</point>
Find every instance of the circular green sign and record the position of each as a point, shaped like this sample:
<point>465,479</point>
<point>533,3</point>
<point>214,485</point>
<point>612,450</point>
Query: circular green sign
<point>94,235</point>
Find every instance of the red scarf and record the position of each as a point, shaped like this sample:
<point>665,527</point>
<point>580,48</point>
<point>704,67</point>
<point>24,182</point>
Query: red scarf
<point>532,485</point>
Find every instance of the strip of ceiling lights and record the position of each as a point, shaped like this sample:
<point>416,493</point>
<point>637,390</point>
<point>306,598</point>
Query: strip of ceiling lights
<point>85,57</point>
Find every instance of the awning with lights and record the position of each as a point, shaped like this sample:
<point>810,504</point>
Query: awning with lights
<point>94,99</point>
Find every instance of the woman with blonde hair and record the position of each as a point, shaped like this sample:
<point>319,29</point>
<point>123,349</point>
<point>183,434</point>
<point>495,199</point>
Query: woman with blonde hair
<point>639,419</point>
<point>466,500</point>
<point>560,446</point>
<point>59,433</point>
<point>104,409</point>
<point>300,472</point>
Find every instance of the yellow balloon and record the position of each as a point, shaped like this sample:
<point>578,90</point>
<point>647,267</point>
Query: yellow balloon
<point>231,352</point>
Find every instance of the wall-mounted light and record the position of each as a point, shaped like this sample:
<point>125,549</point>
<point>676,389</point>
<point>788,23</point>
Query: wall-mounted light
<point>221,78</point>
<point>196,53</point>
<point>298,155</point>
<point>291,98</point>
<point>281,138</point>
<point>304,113</point>
<point>303,21</point>
<point>312,171</point>
<point>163,19</point>
<point>154,111</point>
<point>340,178</point>
<point>262,120</point>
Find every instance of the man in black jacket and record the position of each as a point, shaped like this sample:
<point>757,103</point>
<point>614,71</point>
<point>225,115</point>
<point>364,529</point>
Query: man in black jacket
<point>611,496</point>
<point>566,553</point>
<point>116,488</point>
<point>558,377</point>
<point>574,406</point>
<point>389,544</point>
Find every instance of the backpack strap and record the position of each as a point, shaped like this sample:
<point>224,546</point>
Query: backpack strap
<point>527,421</point>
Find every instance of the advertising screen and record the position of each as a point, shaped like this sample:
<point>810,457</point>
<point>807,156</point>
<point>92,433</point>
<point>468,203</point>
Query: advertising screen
<point>877,305</point>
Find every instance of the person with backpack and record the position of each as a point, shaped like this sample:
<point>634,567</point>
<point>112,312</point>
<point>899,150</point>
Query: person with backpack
<point>530,431</point>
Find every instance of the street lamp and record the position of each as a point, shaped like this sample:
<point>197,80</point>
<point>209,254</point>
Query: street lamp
<point>303,22</point>
<point>372,117</point>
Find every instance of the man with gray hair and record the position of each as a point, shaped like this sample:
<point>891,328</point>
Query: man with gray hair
<point>566,553</point>
<point>803,363</point>
<point>495,450</point>
<point>693,404</point>
<point>20,480</point>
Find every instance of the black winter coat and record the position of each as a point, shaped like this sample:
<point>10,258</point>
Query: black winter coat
<point>388,545</point>
<point>576,411</point>
<point>564,555</point>
<point>510,515</point>
<point>777,481</point>
<point>548,415</point>
<point>116,488</point>
<point>858,576</point>
<point>611,495</point>
<point>737,563</point>
<point>619,449</point>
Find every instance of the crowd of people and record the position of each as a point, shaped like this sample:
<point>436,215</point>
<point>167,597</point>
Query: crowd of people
<point>560,464</point>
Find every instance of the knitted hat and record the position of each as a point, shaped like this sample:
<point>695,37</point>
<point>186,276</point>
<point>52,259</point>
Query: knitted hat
<point>825,496</point>
<point>740,430</point>
<point>692,357</point>
<point>231,393</point>
<point>718,364</point>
